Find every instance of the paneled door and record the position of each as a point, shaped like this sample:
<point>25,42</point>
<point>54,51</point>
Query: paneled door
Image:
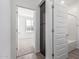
<point>42,28</point>
<point>60,41</point>
<point>71,30</point>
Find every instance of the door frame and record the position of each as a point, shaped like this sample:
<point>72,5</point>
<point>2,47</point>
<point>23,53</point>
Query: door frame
<point>14,30</point>
<point>34,25</point>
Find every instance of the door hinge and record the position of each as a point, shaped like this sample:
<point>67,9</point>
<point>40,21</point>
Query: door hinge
<point>52,6</point>
<point>53,30</point>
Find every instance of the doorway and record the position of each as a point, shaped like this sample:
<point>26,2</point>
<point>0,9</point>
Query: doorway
<point>26,33</point>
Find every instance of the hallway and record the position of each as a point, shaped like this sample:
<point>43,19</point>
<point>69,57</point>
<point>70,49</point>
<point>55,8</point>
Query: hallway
<point>74,54</point>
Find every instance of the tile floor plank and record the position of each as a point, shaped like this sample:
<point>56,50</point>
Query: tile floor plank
<point>74,54</point>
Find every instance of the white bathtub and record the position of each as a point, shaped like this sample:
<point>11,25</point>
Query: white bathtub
<point>71,45</point>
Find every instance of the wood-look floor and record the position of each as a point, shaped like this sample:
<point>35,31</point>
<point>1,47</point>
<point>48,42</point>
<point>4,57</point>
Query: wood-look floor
<point>40,56</point>
<point>74,54</point>
<point>32,56</point>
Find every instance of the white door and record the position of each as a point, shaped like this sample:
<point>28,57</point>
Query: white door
<point>71,26</point>
<point>71,30</point>
<point>60,41</point>
<point>49,29</point>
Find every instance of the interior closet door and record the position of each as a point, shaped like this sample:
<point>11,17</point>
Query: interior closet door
<point>42,28</point>
<point>71,31</point>
<point>71,28</point>
<point>60,41</point>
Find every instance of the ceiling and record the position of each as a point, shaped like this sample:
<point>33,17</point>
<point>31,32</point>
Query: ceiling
<point>31,4</point>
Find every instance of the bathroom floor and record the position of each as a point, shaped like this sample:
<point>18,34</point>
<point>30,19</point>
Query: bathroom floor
<point>74,54</point>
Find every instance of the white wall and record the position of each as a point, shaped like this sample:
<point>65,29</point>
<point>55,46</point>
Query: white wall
<point>38,29</point>
<point>49,36</point>
<point>13,29</point>
<point>5,29</point>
